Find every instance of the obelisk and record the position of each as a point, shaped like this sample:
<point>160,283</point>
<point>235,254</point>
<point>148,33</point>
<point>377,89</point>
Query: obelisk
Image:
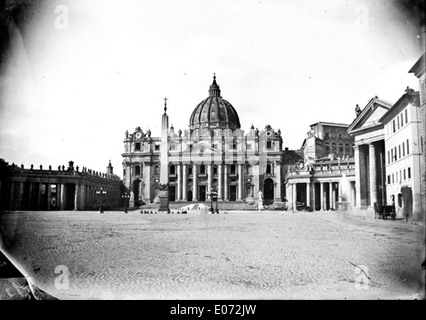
<point>164,160</point>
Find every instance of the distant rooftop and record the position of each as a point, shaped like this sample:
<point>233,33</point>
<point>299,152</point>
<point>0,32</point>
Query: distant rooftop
<point>330,124</point>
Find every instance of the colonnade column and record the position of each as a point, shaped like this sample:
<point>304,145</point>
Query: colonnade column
<point>76,196</point>
<point>313,197</point>
<point>225,179</point>
<point>209,181</point>
<point>179,182</point>
<point>62,196</point>
<point>240,182</point>
<point>308,194</point>
<point>184,181</point>
<point>357,176</point>
<point>373,175</point>
<point>194,183</point>
<point>278,179</point>
<point>322,195</point>
<point>294,196</point>
<point>330,195</point>
<point>353,194</point>
<point>220,182</point>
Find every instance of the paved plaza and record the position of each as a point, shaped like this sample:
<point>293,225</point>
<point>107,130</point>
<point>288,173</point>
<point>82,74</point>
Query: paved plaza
<point>233,255</point>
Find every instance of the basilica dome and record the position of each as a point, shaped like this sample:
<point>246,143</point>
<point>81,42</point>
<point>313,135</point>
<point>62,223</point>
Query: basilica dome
<point>214,112</point>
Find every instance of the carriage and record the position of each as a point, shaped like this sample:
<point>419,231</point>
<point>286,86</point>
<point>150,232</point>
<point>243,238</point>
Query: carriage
<point>383,212</point>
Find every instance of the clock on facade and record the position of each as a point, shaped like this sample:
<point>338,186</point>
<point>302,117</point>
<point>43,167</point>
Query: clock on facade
<point>138,135</point>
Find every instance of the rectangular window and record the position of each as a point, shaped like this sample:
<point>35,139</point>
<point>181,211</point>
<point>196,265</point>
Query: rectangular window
<point>393,126</point>
<point>403,149</point>
<point>389,157</point>
<point>406,116</point>
<point>409,173</point>
<point>408,147</point>
<point>396,156</point>
<point>400,175</point>
<point>269,144</point>
<point>389,181</point>
<point>397,122</point>
<point>393,178</point>
<point>402,119</point>
<point>421,144</point>
<point>392,155</point>
<point>157,147</point>
<point>399,151</point>
<point>405,177</point>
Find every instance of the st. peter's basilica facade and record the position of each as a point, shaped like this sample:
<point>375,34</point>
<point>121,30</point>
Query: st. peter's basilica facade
<point>212,154</point>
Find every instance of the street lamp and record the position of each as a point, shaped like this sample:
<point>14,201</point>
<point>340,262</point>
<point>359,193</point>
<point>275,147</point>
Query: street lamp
<point>125,196</point>
<point>100,192</point>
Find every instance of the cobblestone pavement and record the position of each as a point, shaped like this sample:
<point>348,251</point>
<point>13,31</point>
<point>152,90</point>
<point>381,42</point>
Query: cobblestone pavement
<point>239,255</point>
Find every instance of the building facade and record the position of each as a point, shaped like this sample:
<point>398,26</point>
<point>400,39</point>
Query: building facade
<point>212,154</point>
<point>419,70</point>
<point>369,153</point>
<point>325,179</point>
<point>404,154</point>
<point>62,189</point>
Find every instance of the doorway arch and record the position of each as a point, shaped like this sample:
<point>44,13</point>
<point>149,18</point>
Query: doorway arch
<point>268,191</point>
<point>137,192</point>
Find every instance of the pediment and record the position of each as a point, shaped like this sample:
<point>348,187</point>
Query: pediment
<point>370,116</point>
<point>202,149</point>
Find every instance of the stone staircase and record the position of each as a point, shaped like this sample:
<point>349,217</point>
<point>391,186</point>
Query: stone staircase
<point>228,205</point>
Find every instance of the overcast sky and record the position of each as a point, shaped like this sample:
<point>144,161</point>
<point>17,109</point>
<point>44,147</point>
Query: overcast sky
<point>89,70</point>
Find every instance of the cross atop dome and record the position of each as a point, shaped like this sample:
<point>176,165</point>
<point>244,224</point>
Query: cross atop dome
<point>214,88</point>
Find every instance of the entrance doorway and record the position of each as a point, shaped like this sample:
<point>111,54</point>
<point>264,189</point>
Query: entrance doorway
<point>189,195</point>
<point>136,192</point>
<point>407,199</point>
<point>268,191</point>
<point>172,193</point>
<point>232,193</point>
<point>202,196</point>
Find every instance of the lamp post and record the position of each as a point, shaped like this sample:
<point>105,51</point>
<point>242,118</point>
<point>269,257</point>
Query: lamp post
<point>100,192</point>
<point>125,196</point>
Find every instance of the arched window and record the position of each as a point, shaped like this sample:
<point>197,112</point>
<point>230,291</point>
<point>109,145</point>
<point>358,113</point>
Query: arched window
<point>327,148</point>
<point>202,169</point>
<point>172,169</point>
<point>268,168</point>
<point>233,168</point>
<point>157,169</point>
<point>137,170</point>
<point>137,146</point>
<point>334,147</point>
<point>234,143</point>
<point>340,148</point>
<point>347,149</point>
